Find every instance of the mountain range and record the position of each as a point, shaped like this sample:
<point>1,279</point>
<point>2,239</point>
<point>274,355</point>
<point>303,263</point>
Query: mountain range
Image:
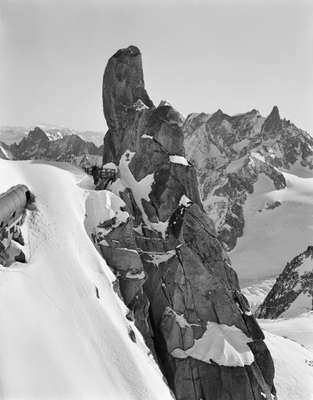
<point>52,145</point>
<point>255,181</point>
<point>14,134</point>
<point>196,208</point>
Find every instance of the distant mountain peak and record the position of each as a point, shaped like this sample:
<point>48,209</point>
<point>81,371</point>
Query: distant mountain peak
<point>37,134</point>
<point>218,113</point>
<point>272,124</point>
<point>52,145</point>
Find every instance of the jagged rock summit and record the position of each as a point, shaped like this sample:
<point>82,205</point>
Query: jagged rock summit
<point>171,269</point>
<point>272,125</point>
<point>123,88</point>
<point>125,70</point>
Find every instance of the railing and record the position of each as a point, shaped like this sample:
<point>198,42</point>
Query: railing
<point>101,173</point>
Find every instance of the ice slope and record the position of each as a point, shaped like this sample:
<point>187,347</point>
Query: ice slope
<point>58,340</point>
<point>272,237</point>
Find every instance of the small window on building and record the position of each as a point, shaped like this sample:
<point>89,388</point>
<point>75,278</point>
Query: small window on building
<point>13,215</point>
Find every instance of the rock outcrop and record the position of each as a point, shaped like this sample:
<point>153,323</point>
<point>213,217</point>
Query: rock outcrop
<point>172,270</point>
<point>292,293</point>
<point>272,125</point>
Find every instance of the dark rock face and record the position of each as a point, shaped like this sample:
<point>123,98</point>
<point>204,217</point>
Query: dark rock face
<point>184,287</point>
<point>231,153</point>
<point>127,93</point>
<point>125,70</point>
<point>38,145</point>
<point>293,289</point>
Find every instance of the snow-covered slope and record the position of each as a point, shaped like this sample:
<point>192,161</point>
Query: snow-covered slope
<point>290,342</point>
<point>293,368</point>
<point>274,236</point>
<point>63,331</point>
<point>298,329</point>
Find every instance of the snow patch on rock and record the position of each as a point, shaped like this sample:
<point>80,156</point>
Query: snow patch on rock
<point>179,160</point>
<point>157,259</point>
<point>223,344</point>
<point>185,201</point>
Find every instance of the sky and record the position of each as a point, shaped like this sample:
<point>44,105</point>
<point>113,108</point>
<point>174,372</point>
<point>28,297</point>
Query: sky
<point>235,55</point>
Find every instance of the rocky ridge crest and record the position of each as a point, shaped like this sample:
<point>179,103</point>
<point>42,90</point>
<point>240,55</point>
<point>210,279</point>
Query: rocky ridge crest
<point>172,271</point>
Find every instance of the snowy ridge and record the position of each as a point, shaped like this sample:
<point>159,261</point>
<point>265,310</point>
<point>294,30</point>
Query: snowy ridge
<point>63,329</point>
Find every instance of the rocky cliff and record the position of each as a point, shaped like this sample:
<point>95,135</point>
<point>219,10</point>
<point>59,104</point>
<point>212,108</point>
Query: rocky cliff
<point>292,293</point>
<point>171,268</point>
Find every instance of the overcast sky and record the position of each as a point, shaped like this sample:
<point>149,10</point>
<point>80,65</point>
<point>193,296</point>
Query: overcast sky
<point>199,55</point>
